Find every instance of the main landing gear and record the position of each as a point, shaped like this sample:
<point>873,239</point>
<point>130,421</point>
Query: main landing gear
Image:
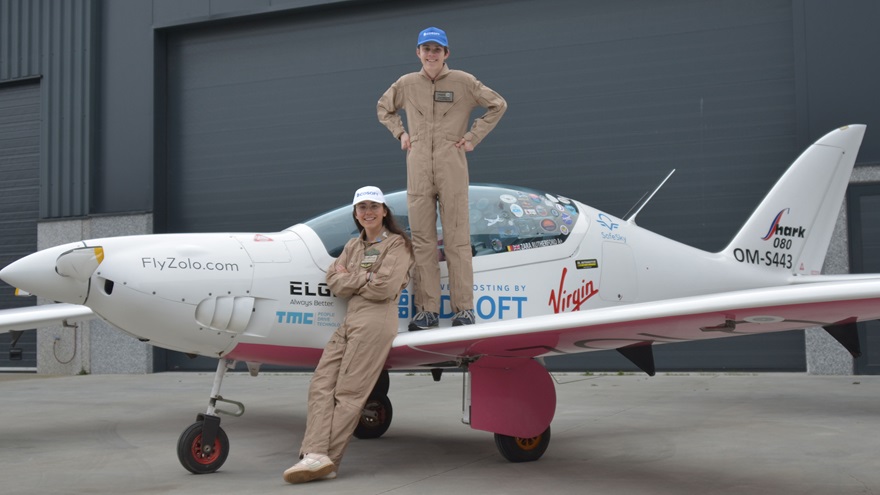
<point>203,446</point>
<point>516,449</point>
<point>510,395</point>
<point>376,416</point>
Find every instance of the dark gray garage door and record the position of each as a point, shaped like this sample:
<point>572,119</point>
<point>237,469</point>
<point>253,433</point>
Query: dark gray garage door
<point>863,219</point>
<point>19,199</point>
<point>272,120</point>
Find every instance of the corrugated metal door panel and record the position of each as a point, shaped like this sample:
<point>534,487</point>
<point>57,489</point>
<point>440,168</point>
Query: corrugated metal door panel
<point>19,199</point>
<point>272,121</point>
<point>863,218</point>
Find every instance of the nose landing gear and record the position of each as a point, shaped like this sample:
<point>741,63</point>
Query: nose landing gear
<point>203,446</point>
<point>196,452</point>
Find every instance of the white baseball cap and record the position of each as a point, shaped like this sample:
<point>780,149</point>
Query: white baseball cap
<point>368,193</point>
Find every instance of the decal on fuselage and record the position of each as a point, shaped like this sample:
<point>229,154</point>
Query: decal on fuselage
<point>295,317</point>
<point>307,289</point>
<point>490,306</point>
<point>586,264</point>
<point>782,237</point>
<point>174,263</point>
<point>319,293</point>
<point>606,222</point>
<point>501,305</point>
<point>778,230</point>
<point>571,300</point>
<point>534,244</point>
<point>767,258</point>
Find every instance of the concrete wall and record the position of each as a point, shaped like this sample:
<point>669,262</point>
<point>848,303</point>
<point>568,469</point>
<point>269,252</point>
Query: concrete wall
<point>93,347</point>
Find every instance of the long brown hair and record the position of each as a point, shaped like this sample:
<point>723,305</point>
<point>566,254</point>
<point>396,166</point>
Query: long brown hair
<point>388,222</point>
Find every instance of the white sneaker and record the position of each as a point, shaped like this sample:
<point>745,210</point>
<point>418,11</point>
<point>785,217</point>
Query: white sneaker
<point>311,467</point>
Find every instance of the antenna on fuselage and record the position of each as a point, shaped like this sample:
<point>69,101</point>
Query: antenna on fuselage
<point>644,200</point>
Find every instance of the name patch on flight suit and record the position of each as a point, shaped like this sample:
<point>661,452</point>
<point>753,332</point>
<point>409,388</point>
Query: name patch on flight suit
<point>445,96</point>
<point>371,255</point>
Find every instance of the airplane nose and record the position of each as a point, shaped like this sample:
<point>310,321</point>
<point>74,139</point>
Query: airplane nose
<point>60,274</point>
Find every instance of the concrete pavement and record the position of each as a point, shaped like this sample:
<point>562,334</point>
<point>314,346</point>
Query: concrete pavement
<point>629,434</point>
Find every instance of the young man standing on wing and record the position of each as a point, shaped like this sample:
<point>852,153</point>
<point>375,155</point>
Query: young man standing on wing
<point>438,103</point>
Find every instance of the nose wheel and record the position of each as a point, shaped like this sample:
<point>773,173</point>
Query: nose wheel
<point>203,446</point>
<point>197,452</point>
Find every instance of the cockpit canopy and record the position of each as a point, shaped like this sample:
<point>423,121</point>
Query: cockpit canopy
<point>502,219</point>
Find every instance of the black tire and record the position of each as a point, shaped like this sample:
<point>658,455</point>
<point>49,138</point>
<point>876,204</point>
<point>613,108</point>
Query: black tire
<point>380,389</point>
<point>376,419</point>
<point>516,449</point>
<point>189,450</point>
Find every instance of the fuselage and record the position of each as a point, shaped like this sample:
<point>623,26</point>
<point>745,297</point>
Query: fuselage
<point>262,296</point>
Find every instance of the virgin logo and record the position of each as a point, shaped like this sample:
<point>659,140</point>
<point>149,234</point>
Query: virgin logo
<point>571,301</point>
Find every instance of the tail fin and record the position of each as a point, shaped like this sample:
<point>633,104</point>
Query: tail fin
<point>790,230</point>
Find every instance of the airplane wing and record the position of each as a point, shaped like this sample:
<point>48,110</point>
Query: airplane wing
<point>747,312</point>
<point>45,315</point>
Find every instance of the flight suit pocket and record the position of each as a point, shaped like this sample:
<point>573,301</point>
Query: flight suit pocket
<point>356,367</point>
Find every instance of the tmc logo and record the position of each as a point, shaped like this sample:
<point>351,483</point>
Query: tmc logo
<point>295,318</point>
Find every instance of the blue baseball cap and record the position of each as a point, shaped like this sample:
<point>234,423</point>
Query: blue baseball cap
<point>434,34</point>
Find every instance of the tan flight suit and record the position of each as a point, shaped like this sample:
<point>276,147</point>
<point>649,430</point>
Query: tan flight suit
<point>356,353</point>
<point>437,114</point>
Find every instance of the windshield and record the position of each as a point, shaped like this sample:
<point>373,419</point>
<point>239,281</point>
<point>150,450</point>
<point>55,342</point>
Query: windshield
<point>502,219</point>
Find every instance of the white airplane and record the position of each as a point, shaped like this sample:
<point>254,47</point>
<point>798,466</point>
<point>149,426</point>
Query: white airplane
<point>553,277</point>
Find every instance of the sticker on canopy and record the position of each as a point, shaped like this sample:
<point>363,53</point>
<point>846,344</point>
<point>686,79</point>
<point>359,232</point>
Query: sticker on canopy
<point>516,210</point>
<point>525,226</point>
<point>566,219</point>
<point>493,221</point>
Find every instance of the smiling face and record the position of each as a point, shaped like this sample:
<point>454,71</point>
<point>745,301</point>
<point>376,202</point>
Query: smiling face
<point>370,214</point>
<point>433,56</point>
